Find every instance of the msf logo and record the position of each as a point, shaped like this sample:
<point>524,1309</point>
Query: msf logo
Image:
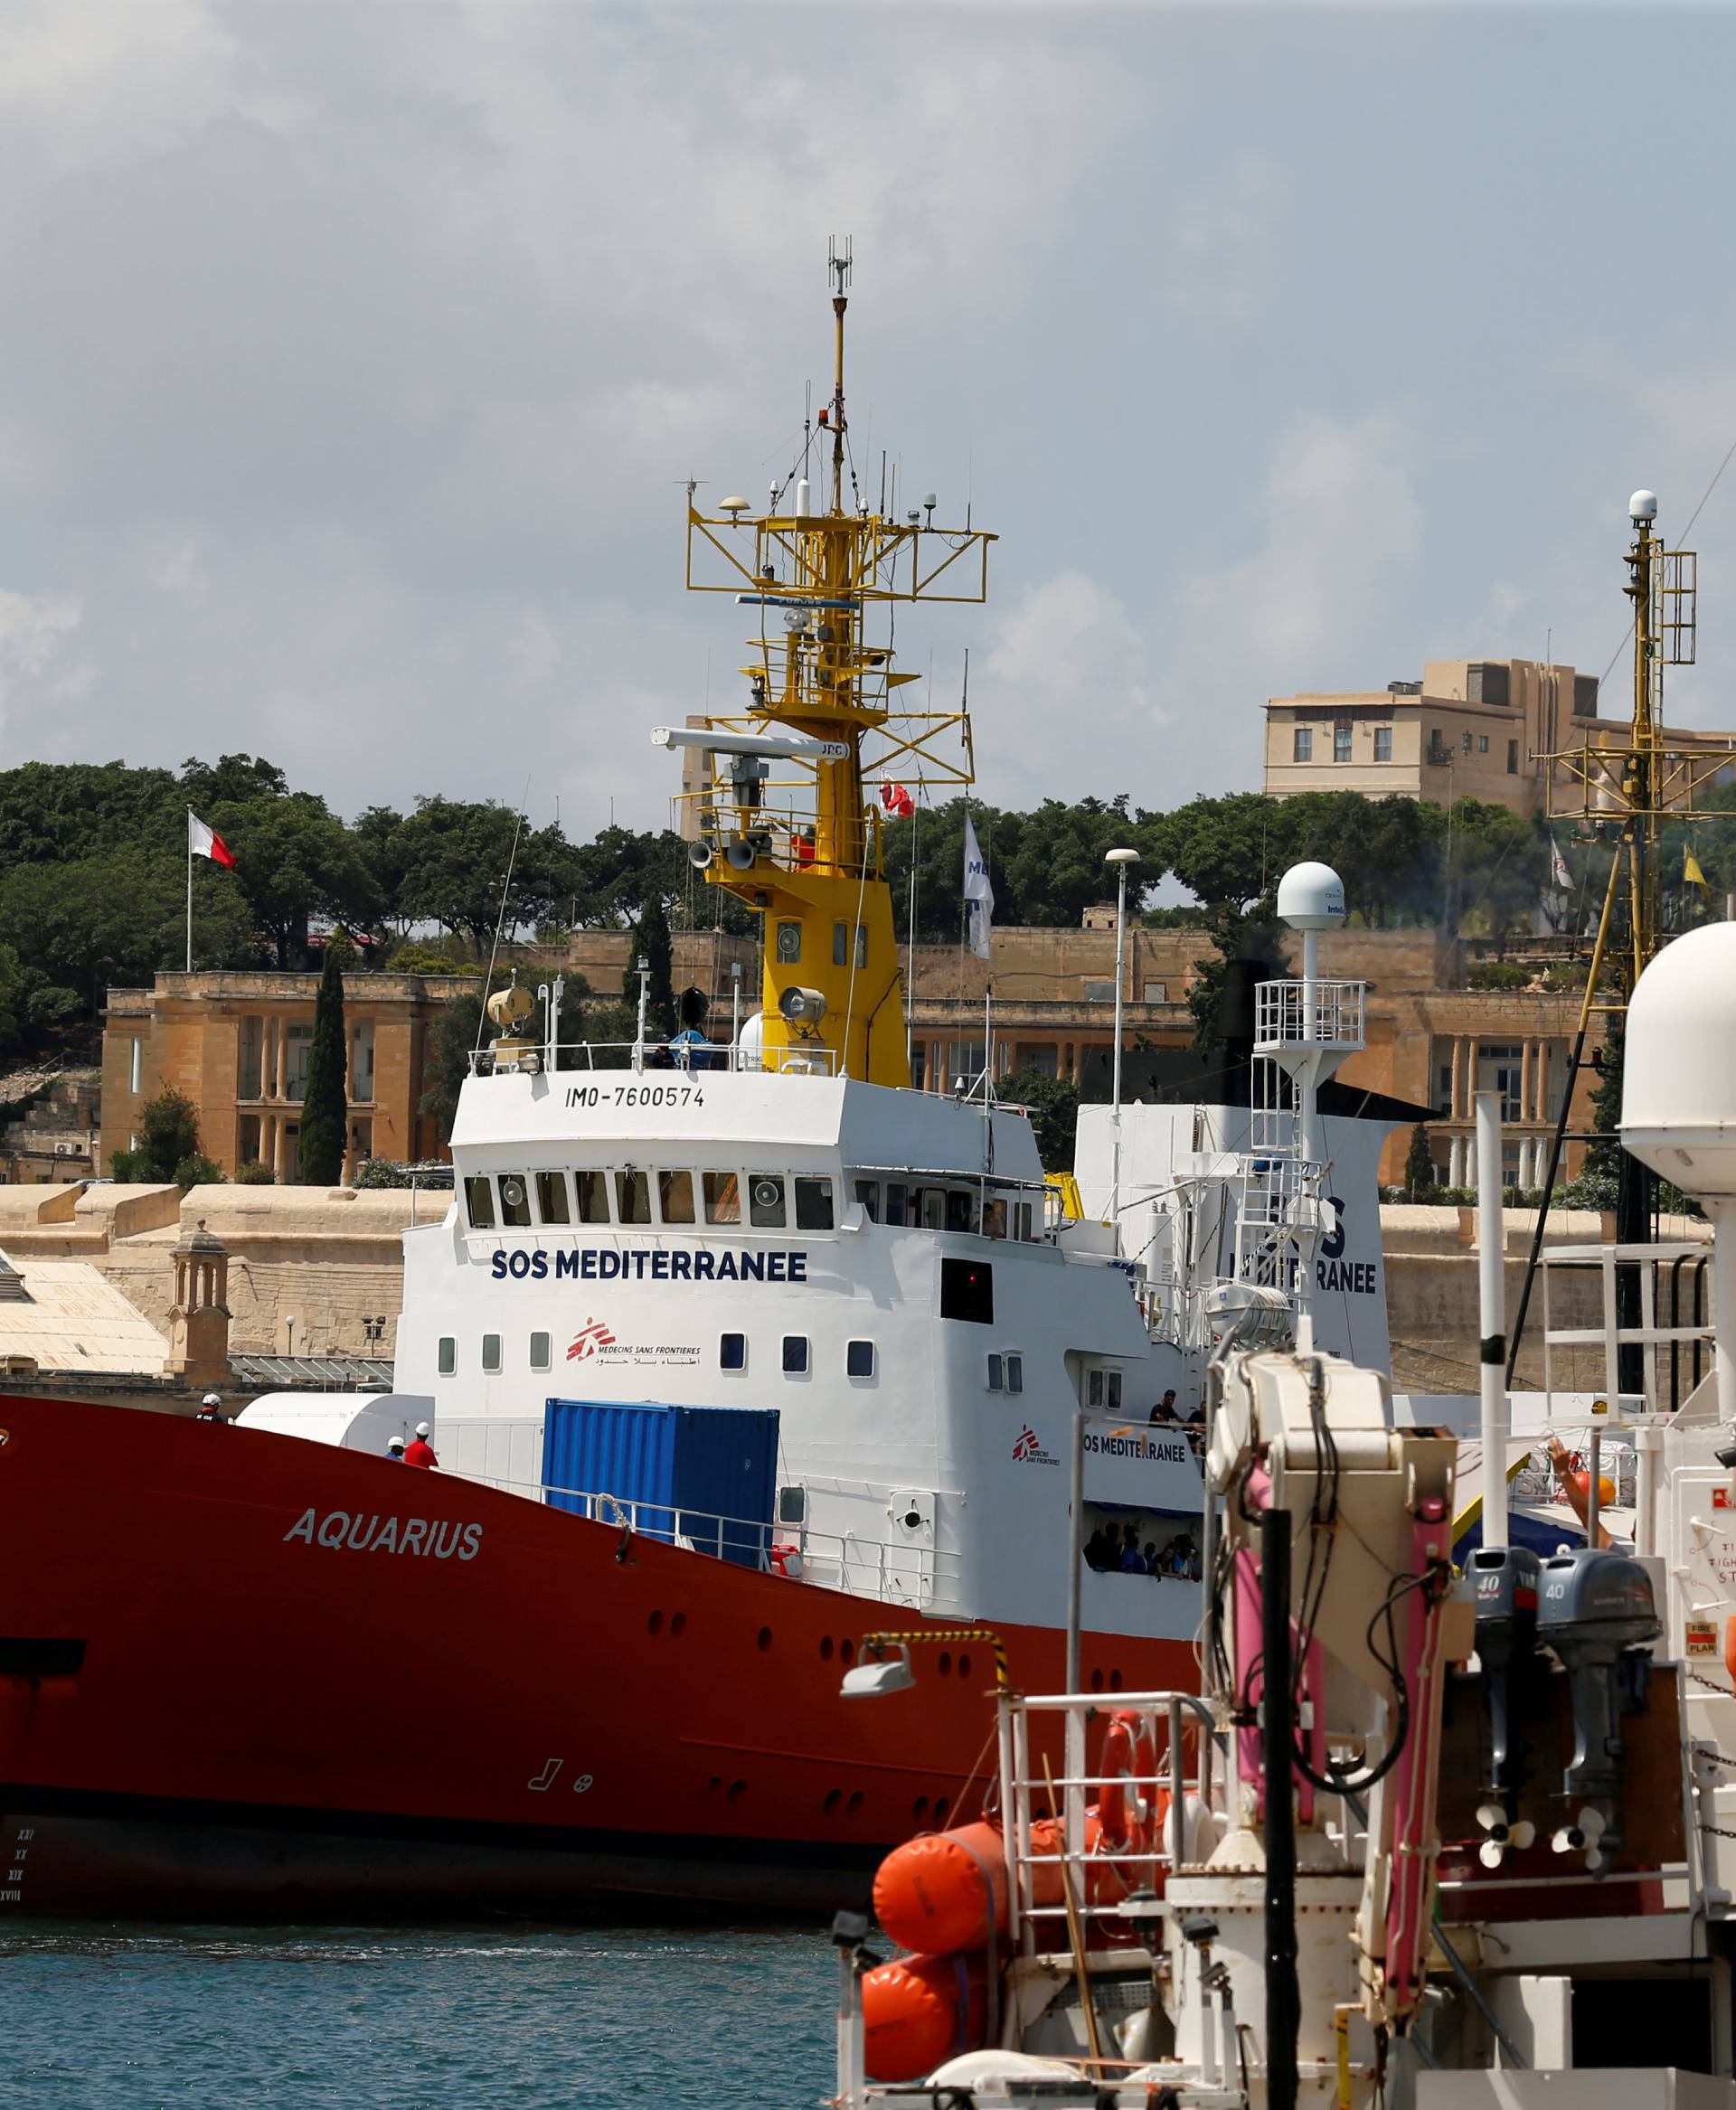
<point>592,1336</point>
<point>1028,1451</point>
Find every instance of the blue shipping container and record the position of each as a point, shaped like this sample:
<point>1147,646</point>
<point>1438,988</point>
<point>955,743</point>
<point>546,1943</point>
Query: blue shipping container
<point>707,1474</point>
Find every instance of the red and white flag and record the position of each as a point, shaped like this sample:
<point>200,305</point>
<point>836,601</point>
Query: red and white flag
<point>897,801</point>
<point>205,842</point>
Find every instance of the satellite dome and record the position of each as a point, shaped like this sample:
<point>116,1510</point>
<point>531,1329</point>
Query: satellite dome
<point>1678,1086</point>
<point>1311,897</point>
<point>1643,505</point>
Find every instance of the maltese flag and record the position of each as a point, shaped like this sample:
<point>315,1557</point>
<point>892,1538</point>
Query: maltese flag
<point>205,842</point>
<point>897,801</point>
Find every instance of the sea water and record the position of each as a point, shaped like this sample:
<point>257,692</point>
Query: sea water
<point>187,2017</point>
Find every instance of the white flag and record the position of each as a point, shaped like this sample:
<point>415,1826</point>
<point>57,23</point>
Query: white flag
<point>979,896</point>
<point>1559,875</point>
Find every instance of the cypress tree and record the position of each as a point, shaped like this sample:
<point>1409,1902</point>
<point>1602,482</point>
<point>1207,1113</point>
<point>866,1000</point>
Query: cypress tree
<point>653,944</point>
<point>326,1111</point>
<point>1418,1166</point>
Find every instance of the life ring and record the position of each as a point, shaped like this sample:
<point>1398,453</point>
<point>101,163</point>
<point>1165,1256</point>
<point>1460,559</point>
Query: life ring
<point>1123,1807</point>
<point>786,1561</point>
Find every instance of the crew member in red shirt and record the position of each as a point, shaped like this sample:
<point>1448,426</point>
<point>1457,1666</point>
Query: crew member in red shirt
<point>419,1451</point>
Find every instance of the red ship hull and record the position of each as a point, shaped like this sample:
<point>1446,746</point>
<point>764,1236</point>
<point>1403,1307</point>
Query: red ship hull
<point>247,1676</point>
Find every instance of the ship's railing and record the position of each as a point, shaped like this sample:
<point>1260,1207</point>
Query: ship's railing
<point>906,1573</point>
<point>1308,1014</point>
<point>1121,1745</point>
<point>801,1059</point>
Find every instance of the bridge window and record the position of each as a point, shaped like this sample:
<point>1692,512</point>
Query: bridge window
<point>813,1204</point>
<point>961,1210</point>
<point>449,1355</point>
<point>675,1197</point>
<point>996,1374</point>
<point>796,1355</point>
<point>1015,1373</point>
<point>541,1356</point>
<point>514,1201</point>
<point>479,1203</point>
<point>932,1212</point>
<point>593,1196</point>
<point>633,1196</point>
<point>732,1351</point>
<point>868,1198</point>
<point>859,1359</point>
<point>766,1201</point>
<point>898,1203</point>
<point>491,1355</point>
<point>551,1203</point>
<point>723,1197</point>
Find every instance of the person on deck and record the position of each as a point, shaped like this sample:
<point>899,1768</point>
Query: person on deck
<point>421,1452</point>
<point>395,1449</point>
<point>1165,1411</point>
<point>210,1408</point>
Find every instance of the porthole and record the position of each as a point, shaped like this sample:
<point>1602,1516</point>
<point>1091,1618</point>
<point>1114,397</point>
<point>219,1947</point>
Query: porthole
<point>737,1789</point>
<point>1115,1681</point>
<point>946,1663</point>
<point>1096,1680</point>
<point>854,1803</point>
<point>919,1809</point>
<point>964,1666</point>
<point>846,1652</point>
<point>654,1624</point>
<point>833,1798</point>
<point>678,1626</point>
<point>826,1648</point>
<point>765,1639</point>
<point>941,1807</point>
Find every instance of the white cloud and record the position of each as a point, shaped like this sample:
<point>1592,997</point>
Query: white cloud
<point>1221,255</point>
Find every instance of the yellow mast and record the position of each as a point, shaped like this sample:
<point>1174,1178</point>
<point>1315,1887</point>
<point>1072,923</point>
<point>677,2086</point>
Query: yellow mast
<point>782,818</point>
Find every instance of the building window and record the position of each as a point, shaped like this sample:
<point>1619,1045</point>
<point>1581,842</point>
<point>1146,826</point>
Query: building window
<point>1465,742</point>
<point>593,1196</point>
<point>967,1058</point>
<point>675,1197</point>
<point>1383,743</point>
<point>552,1198</point>
<point>449,1355</point>
<point>540,1352</point>
<point>1481,743</point>
<point>1341,742</point>
<point>633,1196</point>
<point>1043,1057</point>
<point>361,1079</point>
<point>1150,992</point>
<point>249,1060</point>
<point>732,1351</point>
<point>813,1204</point>
<point>859,1359</point>
<point>1513,758</point>
<point>514,1202</point>
<point>795,1355</point>
<point>300,1040</point>
<point>766,1201</point>
<point>479,1203</point>
<point>919,1065</point>
<point>1302,744</point>
<point>1099,992</point>
<point>491,1355</point>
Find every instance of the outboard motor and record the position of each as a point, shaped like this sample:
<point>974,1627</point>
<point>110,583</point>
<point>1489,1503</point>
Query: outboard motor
<point>1598,1613</point>
<point>1504,1582</point>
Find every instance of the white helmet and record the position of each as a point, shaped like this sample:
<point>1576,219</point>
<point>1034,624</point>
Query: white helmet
<point>394,1442</point>
<point>211,1400</point>
<point>422,1429</point>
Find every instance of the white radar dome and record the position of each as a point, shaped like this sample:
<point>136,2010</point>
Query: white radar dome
<point>1678,1084</point>
<point>1643,505</point>
<point>1311,897</point>
<point>751,1046</point>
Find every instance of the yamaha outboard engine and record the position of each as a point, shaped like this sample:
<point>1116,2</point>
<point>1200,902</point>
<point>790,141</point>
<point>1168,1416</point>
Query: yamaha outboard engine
<point>1599,1615</point>
<point>1504,1581</point>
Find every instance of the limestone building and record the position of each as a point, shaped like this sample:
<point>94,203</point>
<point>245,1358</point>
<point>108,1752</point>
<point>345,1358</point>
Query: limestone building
<point>1469,729</point>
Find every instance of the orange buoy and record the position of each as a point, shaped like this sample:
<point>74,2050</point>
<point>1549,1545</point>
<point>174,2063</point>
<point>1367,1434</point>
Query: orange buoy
<point>920,2011</point>
<point>946,1891</point>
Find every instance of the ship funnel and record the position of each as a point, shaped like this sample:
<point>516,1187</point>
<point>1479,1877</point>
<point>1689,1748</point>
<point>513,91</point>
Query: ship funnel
<point>741,854</point>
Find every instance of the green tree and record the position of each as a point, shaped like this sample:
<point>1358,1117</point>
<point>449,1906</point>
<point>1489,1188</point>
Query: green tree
<point>450,1041</point>
<point>1418,1166</point>
<point>294,860</point>
<point>1499,866</point>
<point>653,944</point>
<point>1052,1102</point>
<point>1253,935</point>
<point>1054,858</point>
<point>168,1137</point>
<point>325,1110</point>
<point>1227,851</point>
<point>456,855</point>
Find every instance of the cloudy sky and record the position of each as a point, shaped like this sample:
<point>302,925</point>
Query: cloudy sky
<point>353,355</point>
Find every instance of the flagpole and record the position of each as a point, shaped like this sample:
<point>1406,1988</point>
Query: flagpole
<point>189,894</point>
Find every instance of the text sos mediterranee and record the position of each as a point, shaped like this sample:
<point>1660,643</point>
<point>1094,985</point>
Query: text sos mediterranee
<point>602,1264</point>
